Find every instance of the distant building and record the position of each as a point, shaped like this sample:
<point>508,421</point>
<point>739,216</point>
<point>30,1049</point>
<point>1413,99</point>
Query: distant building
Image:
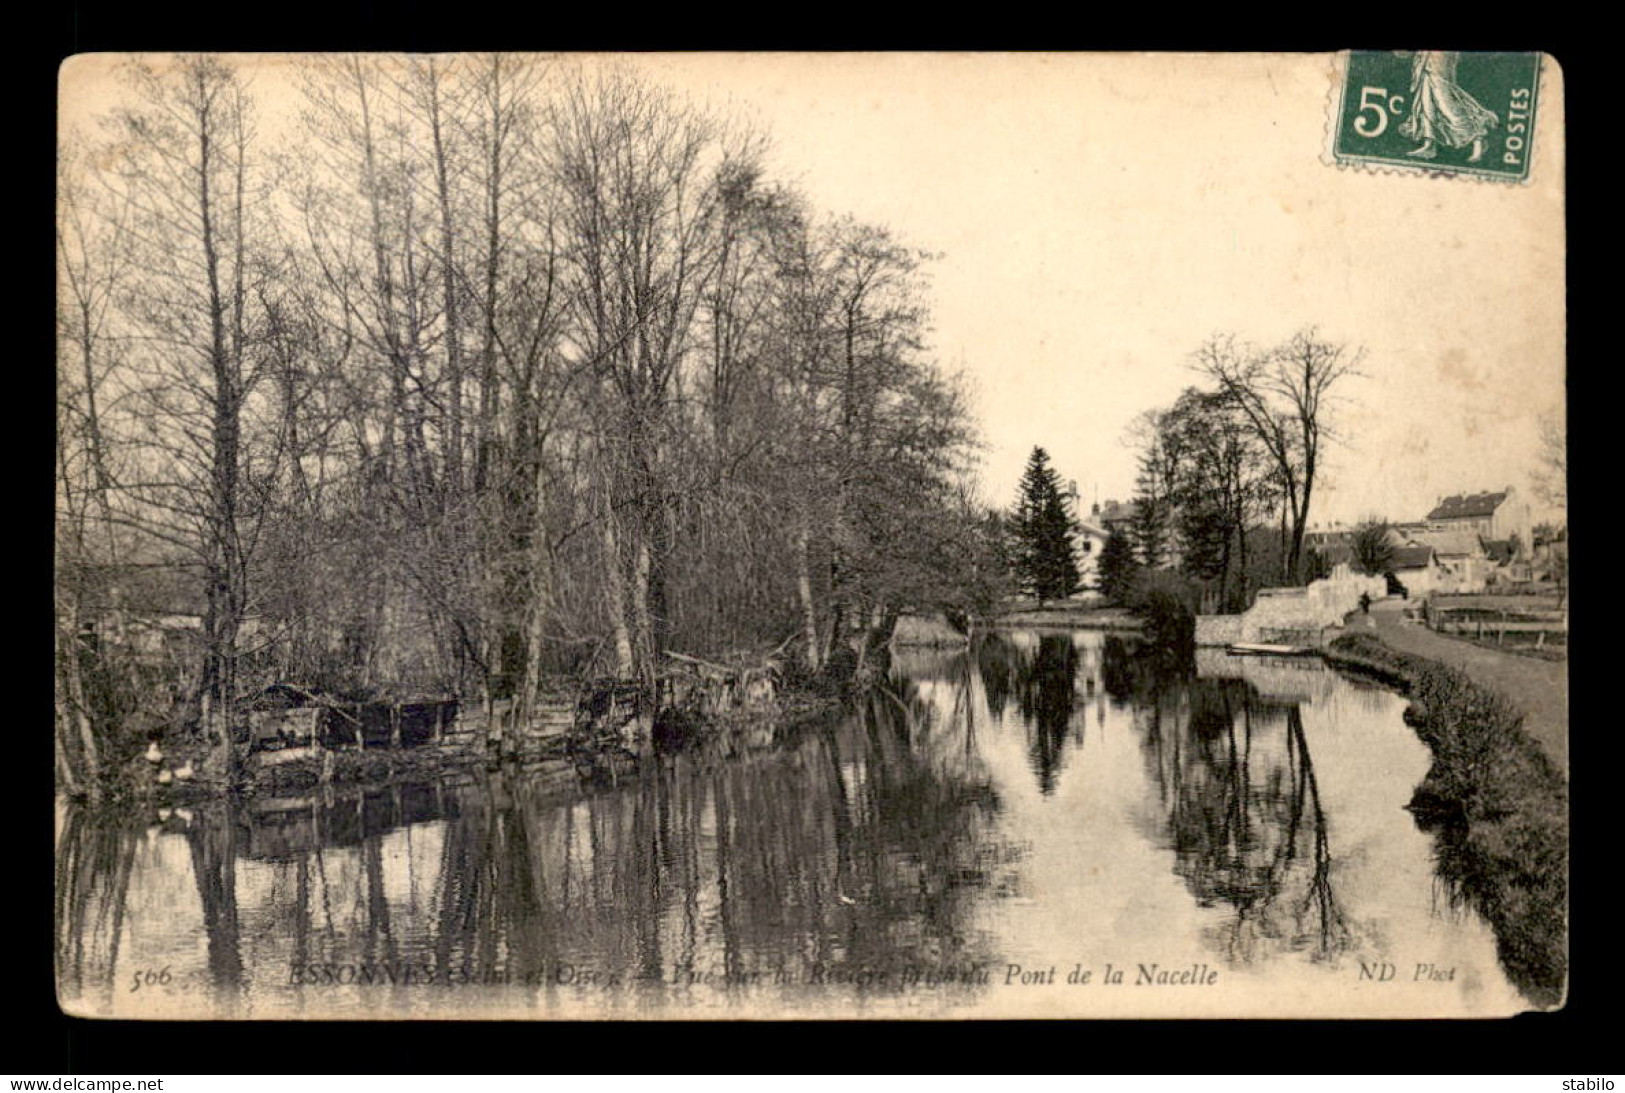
<point>1462,563</point>
<point>1426,558</point>
<point>1499,515</point>
<point>1090,542</point>
<point>1466,543</point>
<point>1121,515</point>
<point>1115,516</point>
<point>1417,569</point>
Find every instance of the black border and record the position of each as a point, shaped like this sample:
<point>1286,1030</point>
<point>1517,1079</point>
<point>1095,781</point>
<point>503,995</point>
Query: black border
<point>40,1040</point>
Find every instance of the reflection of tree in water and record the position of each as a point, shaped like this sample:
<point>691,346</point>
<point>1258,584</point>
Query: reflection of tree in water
<point>1514,875</point>
<point>1244,813</point>
<point>1117,669</point>
<point>212,840</point>
<point>94,854</point>
<point>1138,672</point>
<point>998,662</point>
<point>855,846</point>
<point>1042,683</point>
<point>94,860</point>
<point>1045,695</point>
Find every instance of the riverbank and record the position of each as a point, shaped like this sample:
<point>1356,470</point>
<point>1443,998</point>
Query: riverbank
<point>1541,687</point>
<point>1070,616</point>
<point>606,728</point>
<point>1494,798</point>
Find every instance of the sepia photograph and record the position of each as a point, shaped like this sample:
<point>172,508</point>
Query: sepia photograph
<point>810,536</point>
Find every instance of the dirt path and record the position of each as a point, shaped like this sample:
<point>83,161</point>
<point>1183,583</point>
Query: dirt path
<point>1538,687</point>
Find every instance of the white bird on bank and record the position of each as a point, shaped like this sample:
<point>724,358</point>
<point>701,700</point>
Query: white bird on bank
<point>164,777</point>
<point>184,772</point>
<point>153,754</point>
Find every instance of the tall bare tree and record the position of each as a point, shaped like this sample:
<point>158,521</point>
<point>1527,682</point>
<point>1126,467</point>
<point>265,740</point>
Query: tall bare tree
<point>182,161</point>
<point>1286,395</point>
<point>1552,469</point>
<point>641,180</point>
<point>488,372</point>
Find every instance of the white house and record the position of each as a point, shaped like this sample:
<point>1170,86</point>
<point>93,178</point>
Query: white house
<point>1498,515</point>
<point>1418,570</point>
<point>1462,563</point>
<point>1091,540</point>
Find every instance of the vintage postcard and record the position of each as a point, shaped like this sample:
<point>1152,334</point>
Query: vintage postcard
<point>815,536</point>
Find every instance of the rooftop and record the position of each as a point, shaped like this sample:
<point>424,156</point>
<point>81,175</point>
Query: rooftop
<point>1446,542</point>
<point>1412,557</point>
<point>1468,506</point>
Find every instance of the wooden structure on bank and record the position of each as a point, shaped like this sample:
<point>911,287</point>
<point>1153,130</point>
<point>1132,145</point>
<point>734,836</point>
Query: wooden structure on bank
<point>285,716</point>
<point>287,722</point>
<point>1484,624</point>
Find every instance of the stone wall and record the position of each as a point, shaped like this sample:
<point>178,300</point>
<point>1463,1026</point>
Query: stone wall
<point>1297,616</point>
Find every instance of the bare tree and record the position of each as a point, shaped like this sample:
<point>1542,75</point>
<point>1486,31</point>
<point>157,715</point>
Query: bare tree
<point>1217,479</point>
<point>488,373</point>
<point>182,162</point>
<point>1372,546</point>
<point>92,264</point>
<point>641,180</point>
<point>1286,396</point>
<point>1552,471</point>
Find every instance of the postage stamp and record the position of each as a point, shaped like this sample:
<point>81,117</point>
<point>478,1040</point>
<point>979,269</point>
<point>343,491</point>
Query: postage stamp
<point>1438,111</point>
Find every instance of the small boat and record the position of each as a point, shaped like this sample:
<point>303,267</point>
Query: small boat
<point>1261,649</point>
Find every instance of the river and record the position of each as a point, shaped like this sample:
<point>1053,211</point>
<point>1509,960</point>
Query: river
<point>1052,825</point>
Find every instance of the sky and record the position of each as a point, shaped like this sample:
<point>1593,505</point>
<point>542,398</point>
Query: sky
<point>1100,215</point>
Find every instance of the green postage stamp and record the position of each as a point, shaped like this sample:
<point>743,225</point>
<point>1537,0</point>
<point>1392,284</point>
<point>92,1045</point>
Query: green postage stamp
<point>1438,111</point>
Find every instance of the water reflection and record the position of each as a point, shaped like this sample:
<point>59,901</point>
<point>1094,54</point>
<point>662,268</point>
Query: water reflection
<point>1245,818</point>
<point>1041,675</point>
<point>1041,798</point>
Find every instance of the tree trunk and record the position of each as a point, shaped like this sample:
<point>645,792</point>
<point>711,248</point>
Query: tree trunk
<point>615,585</point>
<point>644,649</point>
<point>74,714</point>
<point>541,581</point>
<point>454,347</point>
<point>809,611</point>
<point>65,777</point>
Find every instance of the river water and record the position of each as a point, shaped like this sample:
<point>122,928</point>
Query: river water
<point>1051,825</point>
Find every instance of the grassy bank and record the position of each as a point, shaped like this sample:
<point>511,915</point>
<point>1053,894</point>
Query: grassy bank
<point>1070,615</point>
<point>1496,804</point>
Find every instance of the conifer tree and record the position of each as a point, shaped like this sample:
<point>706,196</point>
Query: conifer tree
<point>1150,530</point>
<point>1045,565</point>
<point>1118,567</point>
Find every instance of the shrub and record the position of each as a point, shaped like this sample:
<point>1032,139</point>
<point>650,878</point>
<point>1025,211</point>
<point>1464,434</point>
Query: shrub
<point>1167,603</point>
<point>1498,804</point>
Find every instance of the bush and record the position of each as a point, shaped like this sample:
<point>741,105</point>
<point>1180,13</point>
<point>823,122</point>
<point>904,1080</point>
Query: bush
<point>1167,602</point>
<point>1498,804</point>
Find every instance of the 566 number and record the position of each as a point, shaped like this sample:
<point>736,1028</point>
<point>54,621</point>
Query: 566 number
<point>149,978</point>
<point>1381,106</point>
